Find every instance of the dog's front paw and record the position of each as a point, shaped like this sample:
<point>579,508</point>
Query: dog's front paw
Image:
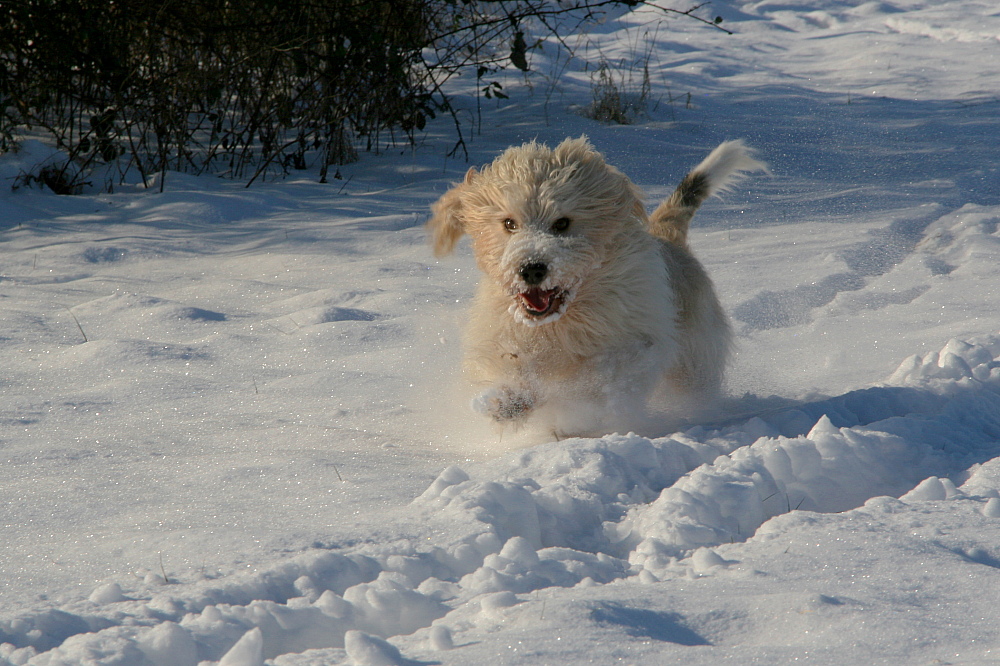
<point>504,404</point>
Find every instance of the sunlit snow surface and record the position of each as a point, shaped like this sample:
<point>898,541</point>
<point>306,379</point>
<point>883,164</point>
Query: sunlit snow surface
<point>230,428</point>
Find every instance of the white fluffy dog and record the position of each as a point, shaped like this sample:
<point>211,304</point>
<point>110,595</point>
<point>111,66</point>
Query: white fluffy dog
<point>590,313</point>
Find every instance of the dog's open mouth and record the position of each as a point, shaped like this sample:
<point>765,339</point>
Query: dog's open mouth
<point>541,302</point>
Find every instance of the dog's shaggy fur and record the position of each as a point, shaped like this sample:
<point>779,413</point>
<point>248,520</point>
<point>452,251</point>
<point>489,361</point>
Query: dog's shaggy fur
<point>588,309</point>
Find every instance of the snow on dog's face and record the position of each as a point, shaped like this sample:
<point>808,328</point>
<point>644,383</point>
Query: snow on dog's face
<point>541,222</point>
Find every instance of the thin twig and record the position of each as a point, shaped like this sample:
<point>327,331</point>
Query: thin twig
<point>77,324</point>
<point>346,183</point>
<point>166,579</point>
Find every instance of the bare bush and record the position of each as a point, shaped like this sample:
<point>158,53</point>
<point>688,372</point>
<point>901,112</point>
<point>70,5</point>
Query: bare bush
<point>244,88</point>
<point>617,97</point>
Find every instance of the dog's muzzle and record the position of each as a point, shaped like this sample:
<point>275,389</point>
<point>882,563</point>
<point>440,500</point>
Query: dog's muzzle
<point>540,291</point>
<point>535,301</point>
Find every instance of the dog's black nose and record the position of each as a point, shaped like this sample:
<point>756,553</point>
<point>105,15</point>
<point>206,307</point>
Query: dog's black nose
<point>534,273</point>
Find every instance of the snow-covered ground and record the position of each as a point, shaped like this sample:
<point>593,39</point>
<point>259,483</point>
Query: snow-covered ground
<point>228,428</point>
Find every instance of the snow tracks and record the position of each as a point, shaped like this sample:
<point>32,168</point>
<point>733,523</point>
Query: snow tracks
<point>581,512</point>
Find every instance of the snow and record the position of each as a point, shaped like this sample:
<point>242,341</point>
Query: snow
<point>231,431</point>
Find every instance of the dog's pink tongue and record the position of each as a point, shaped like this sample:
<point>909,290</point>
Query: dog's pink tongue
<point>536,299</point>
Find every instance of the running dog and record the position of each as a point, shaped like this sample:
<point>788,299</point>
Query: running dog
<point>590,312</point>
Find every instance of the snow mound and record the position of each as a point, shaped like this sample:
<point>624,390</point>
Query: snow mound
<point>574,514</point>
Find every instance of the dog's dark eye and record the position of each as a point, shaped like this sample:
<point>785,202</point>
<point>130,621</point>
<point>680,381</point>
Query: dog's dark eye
<point>561,225</point>
<point>510,225</point>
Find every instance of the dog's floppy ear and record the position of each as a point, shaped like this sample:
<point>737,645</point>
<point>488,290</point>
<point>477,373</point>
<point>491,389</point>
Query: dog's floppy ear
<point>446,224</point>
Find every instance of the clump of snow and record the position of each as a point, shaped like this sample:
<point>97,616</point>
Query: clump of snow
<point>366,650</point>
<point>440,638</point>
<point>108,593</point>
<point>168,644</point>
<point>248,651</point>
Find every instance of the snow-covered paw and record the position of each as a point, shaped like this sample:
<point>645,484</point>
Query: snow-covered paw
<point>504,404</point>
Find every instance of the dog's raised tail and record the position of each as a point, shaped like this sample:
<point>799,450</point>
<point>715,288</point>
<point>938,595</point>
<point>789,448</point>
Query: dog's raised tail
<point>725,166</point>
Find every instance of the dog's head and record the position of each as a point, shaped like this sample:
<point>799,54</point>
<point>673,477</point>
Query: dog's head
<point>541,221</point>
